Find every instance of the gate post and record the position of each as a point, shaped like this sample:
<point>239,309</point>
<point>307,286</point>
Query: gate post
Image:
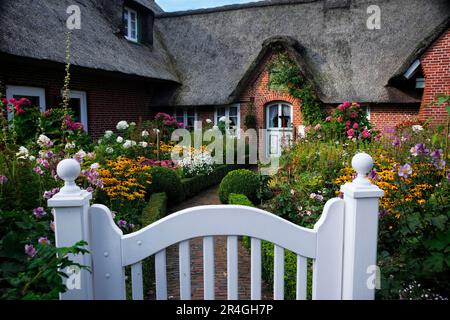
<point>71,206</point>
<point>360,232</point>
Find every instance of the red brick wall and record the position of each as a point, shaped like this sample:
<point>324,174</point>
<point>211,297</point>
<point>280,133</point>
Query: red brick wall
<point>436,67</point>
<point>388,116</point>
<point>110,97</point>
<point>259,93</point>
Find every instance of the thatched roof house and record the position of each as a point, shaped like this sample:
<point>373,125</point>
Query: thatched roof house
<point>214,58</point>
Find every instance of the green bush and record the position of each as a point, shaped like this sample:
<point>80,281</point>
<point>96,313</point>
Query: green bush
<point>166,180</point>
<point>239,199</point>
<point>155,209</point>
<point>241,181</point>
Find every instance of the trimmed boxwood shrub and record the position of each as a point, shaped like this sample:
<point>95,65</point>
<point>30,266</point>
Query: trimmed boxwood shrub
<point>239,199</point>
<point>156,209</point>
<point>166,180</point>
<point>241,181</point>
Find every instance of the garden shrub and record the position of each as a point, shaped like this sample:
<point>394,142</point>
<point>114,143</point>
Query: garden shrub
<point>241,181</point>
<point>166,180</point>
<point>239,199</point>
<point>156,209</point>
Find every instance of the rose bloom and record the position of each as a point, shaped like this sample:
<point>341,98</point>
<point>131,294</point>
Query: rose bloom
<point>340,118</point>
<point>355,126</point>
<point>328,119</point>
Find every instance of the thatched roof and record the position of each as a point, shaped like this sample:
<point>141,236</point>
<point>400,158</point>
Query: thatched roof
<point>215,48</point>
<point>36,29</point>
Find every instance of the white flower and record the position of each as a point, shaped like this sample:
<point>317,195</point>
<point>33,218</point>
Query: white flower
<point>122,125</point>
<point>143,144</point>
<point>99,141</point>
<point>224,119</point>
<point>109,150</point>
<point>119,139</point>
<point>23,153</point>
<point>44,141</point>
<point>145,134</point>
<point>312,195</point>
<point>95,166</point>
<point>417,128</point>
<point>80,154</point>
<point>208,120</point>
<point>31,158</point>
<point>292,191</point>
<point>70,145</point>
<point>215,128</point>
<point>129,143</point>
<point>132,124</point>
<point>156,130</point>
<point>108,134</point>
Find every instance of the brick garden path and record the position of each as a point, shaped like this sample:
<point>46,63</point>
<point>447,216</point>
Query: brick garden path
<point>209,196</point>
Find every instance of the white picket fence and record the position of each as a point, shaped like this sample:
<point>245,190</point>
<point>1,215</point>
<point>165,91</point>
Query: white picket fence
<point>342,244</point>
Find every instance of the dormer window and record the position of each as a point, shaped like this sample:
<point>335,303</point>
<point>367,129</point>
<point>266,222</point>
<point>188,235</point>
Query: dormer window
<point>130,20</point>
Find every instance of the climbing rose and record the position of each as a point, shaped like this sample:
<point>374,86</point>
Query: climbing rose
<point>340,118</point>
<point>353,115</point>
<point>350,133</point>
<point>328,119</point>
<point>355,126</point>
<point>365,134</point>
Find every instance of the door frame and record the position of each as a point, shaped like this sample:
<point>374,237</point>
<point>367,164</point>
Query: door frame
<point>280,130</point>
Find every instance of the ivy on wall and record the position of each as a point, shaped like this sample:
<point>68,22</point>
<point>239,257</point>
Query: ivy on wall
<point>285,73</point>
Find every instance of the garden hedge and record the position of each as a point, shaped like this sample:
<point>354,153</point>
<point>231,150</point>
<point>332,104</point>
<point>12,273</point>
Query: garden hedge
<point>241,181</point>
<point>166,180</point>
<point>239,199</point>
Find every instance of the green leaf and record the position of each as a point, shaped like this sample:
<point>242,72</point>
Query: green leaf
<point>435,263</point>
<point>439,221</point>
<point>413,221</point>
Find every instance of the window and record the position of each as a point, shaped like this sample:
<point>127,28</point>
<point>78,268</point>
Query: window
<point>186,116</point>
<point>35,95</point>
<point>130,21</point>
<point>232,113</point>
<point>78,104</point>
<point>367,111</point>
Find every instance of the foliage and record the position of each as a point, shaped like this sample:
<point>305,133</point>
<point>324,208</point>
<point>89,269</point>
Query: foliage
<point>239,199</point>
<point>411,167</point>
<point>166,180</point>
<point>286,73</point>
<point>156,209</point>
<point>241,181</point>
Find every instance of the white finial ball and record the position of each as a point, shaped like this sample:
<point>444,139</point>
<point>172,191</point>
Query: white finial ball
<point>68,170</point>
<point>362,163</point>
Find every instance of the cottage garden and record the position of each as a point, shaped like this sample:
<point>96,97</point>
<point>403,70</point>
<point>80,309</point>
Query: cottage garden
<point>130,170</point>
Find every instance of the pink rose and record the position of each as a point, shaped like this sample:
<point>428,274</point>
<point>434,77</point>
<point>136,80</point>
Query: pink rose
<point>346,104</point>
<point>328,119</point>
<point>365,134</point>
<point>355,126</point>
<point>353,115</point>
<point>350,133</point>
<point>348,123</point>
<point>340,119</point>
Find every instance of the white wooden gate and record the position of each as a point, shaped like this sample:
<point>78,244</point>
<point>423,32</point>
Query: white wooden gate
<point>342,244</point>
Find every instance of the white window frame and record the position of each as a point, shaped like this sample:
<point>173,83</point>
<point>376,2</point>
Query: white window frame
<point>127,11</point>
<point>83,106</point>
<point>185,115</point>
<point>12,91</point>
<point>227,114</point>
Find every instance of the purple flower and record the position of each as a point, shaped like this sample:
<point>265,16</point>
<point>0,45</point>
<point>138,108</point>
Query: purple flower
<point>49,194</point>
<point>3,179</point>
<point>439,164</point>
<point>448,176</point>
<point>122,223</point>
<point>382,213</point>
<point>404,171</point>
<point>43,162</point>
<point>39,212</point>
<point>396,142</point>
<point>437,154</point>
<point>30,250</point>
<point>131,226</point>
<point>373,175</point>
<point>43,241</point>
<point>38,170</point>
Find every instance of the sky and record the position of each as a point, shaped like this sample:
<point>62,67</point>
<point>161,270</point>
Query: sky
<point>180,5</point>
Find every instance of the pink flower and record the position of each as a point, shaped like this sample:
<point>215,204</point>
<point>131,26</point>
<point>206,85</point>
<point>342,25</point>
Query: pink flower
<point>341,107</point>
<point>355,126</point>
<point>346,104</point>
<point>365,134</point>
<point>353,115</point>
<point>328,119</point>
<point>317,127</point>
<point>340,119</point>
<point>350,133</point>
<point>43,241</point>
<point>39,212</point>
<point>348,123</point>
<point>30,250</point>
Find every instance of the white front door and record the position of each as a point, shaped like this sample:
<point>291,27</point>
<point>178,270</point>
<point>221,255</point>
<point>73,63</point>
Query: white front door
<point>279,128</point>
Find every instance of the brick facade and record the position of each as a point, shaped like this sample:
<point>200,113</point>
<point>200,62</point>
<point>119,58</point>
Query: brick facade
<point>110,97</point>
<point>436,68</point>
<point>388,116</point>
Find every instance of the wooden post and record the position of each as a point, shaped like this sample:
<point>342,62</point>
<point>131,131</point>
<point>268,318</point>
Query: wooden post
<point>71,206</point>
<point>360,232</point>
